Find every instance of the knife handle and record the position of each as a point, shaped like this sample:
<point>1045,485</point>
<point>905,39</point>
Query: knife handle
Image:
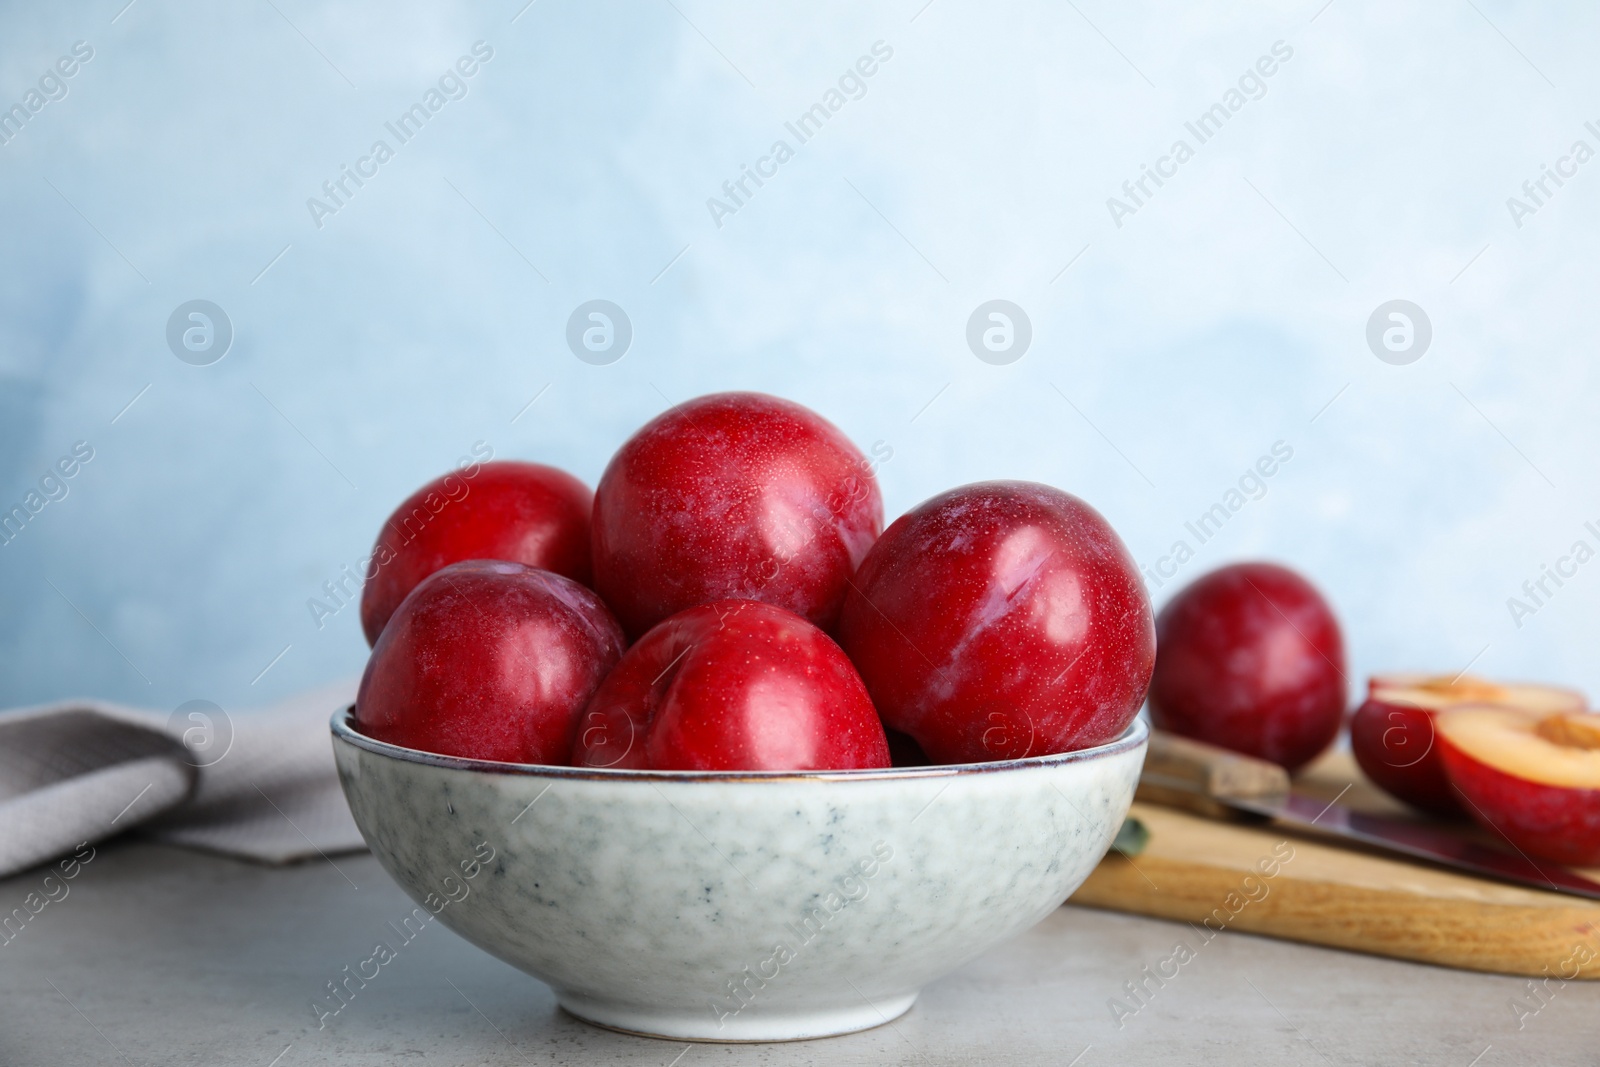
<point>1184,773</point>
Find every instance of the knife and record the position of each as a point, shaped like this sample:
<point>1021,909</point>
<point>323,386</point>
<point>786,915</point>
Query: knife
<point>1182,773</point>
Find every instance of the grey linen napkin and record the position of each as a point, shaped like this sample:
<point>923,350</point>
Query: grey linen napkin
<point>256,784</point>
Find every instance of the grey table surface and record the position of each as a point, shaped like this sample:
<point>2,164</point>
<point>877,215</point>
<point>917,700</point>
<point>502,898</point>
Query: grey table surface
<point>162,956</point>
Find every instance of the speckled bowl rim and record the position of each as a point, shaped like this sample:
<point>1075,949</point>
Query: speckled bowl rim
<point>343,726</point>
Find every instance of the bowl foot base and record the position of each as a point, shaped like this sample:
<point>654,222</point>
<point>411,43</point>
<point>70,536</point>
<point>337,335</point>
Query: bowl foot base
<point>749,1025</point>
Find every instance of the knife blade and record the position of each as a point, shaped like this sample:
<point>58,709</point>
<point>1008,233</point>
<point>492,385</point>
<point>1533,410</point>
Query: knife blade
<point>1189,774</point>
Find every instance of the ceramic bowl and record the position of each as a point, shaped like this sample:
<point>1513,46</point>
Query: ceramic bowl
<point>736,906</point>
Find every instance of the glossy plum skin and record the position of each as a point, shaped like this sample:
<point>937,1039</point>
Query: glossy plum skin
<point>489,660</point>
<point>1396,746</point>
<point>1001,620</point>
<point>734,685</point>
<point>733,495</point>
<point>520,512</point>
<point>1251,658</point>
<point>1550,822</point>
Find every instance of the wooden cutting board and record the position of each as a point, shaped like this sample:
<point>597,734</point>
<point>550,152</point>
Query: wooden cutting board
<point>1267,880</point>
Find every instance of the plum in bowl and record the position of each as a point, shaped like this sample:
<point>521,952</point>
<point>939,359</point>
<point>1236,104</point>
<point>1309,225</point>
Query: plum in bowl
<point>737,906</point>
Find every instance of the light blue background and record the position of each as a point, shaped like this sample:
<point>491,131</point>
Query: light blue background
<point>1222,317</point>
